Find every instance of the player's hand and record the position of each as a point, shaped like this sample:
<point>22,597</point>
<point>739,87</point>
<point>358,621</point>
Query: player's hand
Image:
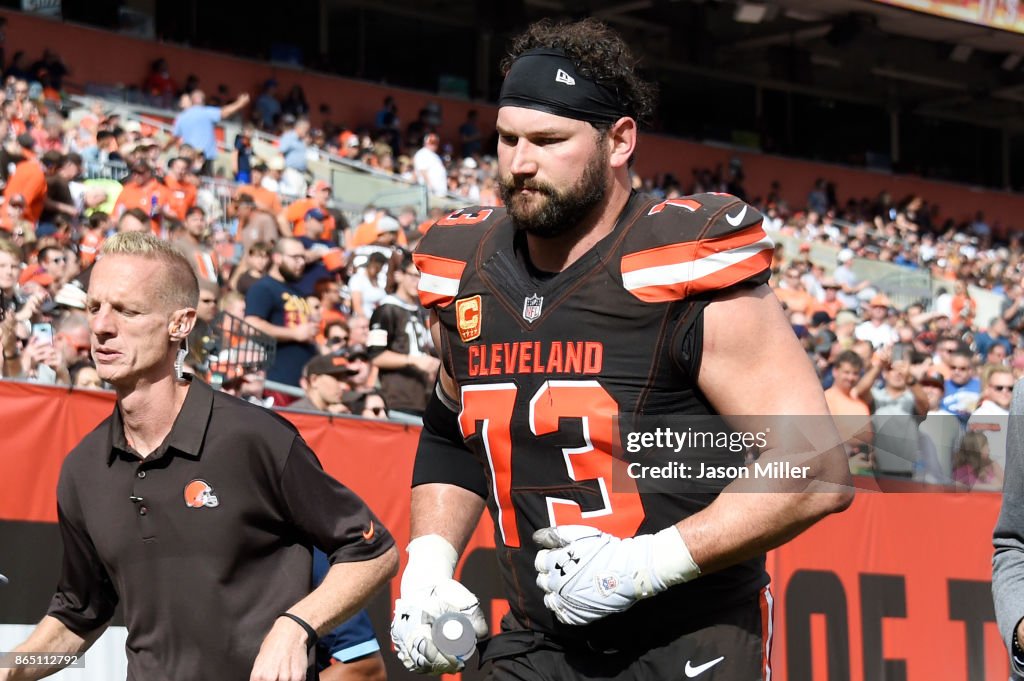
<point>414,616</point>
<point>587,574</point>
<point>283,655</point>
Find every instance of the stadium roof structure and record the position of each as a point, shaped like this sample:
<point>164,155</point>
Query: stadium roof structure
<point>859,51</point>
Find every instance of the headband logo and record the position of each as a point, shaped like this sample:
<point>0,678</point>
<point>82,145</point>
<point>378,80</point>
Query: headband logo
<point>563,77</point>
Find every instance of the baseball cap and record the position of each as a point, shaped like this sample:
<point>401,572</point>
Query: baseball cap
<point>880,300</point>
<point>845,255</point>
<point>333,365</point>
<point>276,163</point>
<point>830,282</point>
<point>320,185</point>
<point>387,224</point>
<point>934,379</point>
<point>26,141</point>
<point>316,214</point>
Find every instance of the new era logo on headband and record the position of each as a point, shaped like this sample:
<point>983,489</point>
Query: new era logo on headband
<point>563,77</point>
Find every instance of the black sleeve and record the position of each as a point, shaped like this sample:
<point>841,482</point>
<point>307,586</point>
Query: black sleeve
<point>330,515</point>
<point>85,597</point>
<point>442,455</point>
<point>384,331</point>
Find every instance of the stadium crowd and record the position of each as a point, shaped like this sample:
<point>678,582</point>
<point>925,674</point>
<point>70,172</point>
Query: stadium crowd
<point>276,258</point>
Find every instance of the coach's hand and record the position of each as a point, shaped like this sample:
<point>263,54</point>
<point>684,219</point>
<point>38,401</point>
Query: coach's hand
<point>414,616</point>
<point>587,574</point>
<point>283,655</point>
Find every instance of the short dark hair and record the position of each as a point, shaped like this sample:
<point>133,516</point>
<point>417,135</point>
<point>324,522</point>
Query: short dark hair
<point>852,358</point>
<point>195,209</point>
<point>599,53</point>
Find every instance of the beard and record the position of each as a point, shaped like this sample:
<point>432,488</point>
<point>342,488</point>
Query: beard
<point>290,275</point>
<point>555,212</point>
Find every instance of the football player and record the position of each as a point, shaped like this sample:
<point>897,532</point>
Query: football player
<point>579,307</point>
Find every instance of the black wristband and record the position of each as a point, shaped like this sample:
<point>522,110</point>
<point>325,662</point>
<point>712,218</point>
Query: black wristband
<point>311,637</point>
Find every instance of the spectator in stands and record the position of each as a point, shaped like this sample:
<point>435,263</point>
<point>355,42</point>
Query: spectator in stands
<point>877,330</point>
<point>267,105</point>
<point>264,198</point>
<point>335,337</point>
<point>323,381</point>
<point>295,103</point>
<point>470,137</point>
<point>429,167</point>
<point>963,388</point>
<point>992,415</point>
<point>28,179</point>
<point>829,302</point>
<point>962,306</point>
<point>853,422</point>
<point>84,375</point>
<point>996,335</point>
<point>851,284</point>
<point>159,83</point>
<point>253,267</point>
<point>133,220</point>
<point>792,294</point>
<point>202,337</point>
<point>276,308</point>
<point>295,214</point>
<point>196,125</point>
<point>366,285</point>
<point>294,145</point>
<point>243,155</point>
<point>181,193</point>
<point>194,244</point>
<point>59,197</point>
<point>940,432</point>
<point>1012,309</point>
<point>893,408</point>
<point>146,193</point>
<point>368,404</point>
<point>252,224</point>
<point>973,466</point>
<point>400,345</point>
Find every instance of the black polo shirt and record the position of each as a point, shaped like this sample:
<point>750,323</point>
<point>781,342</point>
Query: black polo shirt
<point>205,541</point>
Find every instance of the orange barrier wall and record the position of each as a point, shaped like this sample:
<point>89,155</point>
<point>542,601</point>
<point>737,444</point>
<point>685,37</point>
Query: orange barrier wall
<point>896,588</point>
<point>106,57</point>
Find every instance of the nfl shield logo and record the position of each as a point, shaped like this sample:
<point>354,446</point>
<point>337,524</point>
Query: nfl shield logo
<point>532,307</point>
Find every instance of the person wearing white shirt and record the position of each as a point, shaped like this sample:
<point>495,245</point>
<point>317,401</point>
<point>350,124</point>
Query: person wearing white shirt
<point>877,330</point>
<point>428,166</point>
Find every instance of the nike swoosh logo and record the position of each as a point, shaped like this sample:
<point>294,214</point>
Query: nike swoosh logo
<point>735,220</point>
<point>368,534</point>
<point>691,671</point>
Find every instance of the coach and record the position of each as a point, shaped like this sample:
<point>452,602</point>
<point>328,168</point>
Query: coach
<point>195,510</point>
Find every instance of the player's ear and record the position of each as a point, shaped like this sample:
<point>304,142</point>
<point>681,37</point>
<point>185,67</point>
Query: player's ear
<point>621,140</point>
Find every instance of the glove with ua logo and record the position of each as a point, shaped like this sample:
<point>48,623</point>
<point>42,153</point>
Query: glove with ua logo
<point>587,574</point>
<point>428,591</point>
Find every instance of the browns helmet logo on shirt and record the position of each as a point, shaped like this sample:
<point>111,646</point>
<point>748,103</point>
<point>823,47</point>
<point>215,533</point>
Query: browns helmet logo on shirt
<point>199,493</point>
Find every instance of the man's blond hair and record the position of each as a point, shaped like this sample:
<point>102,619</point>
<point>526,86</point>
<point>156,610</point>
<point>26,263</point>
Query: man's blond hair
<point>180,288</point>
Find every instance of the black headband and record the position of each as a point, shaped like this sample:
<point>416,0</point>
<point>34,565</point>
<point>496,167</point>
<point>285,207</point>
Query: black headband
<point>546,80</point>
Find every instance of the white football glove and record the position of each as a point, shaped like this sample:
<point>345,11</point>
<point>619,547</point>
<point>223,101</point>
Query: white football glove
<point>428,591</point>
<point>414,616</point>
<point>587,574</point>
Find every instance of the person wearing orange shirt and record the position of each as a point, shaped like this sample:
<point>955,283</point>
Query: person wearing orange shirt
<point>295,213</point>
<point>181,194</point>
<point>145,192</point>
<point>28,179</point>
<point>376,222</point>
<point>854,422</point>
<point>265,199</point>
<point>830,304</point>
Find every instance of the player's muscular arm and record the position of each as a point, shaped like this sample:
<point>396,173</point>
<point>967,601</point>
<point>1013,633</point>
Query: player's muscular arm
<point>448,510</point>
<point>53,637</point>
<point>753,365</point>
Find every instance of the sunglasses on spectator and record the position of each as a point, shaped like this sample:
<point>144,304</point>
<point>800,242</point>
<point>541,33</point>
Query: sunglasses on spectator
<point>1002,388</point>
<point>337,340</point>
<point>207,301</point>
